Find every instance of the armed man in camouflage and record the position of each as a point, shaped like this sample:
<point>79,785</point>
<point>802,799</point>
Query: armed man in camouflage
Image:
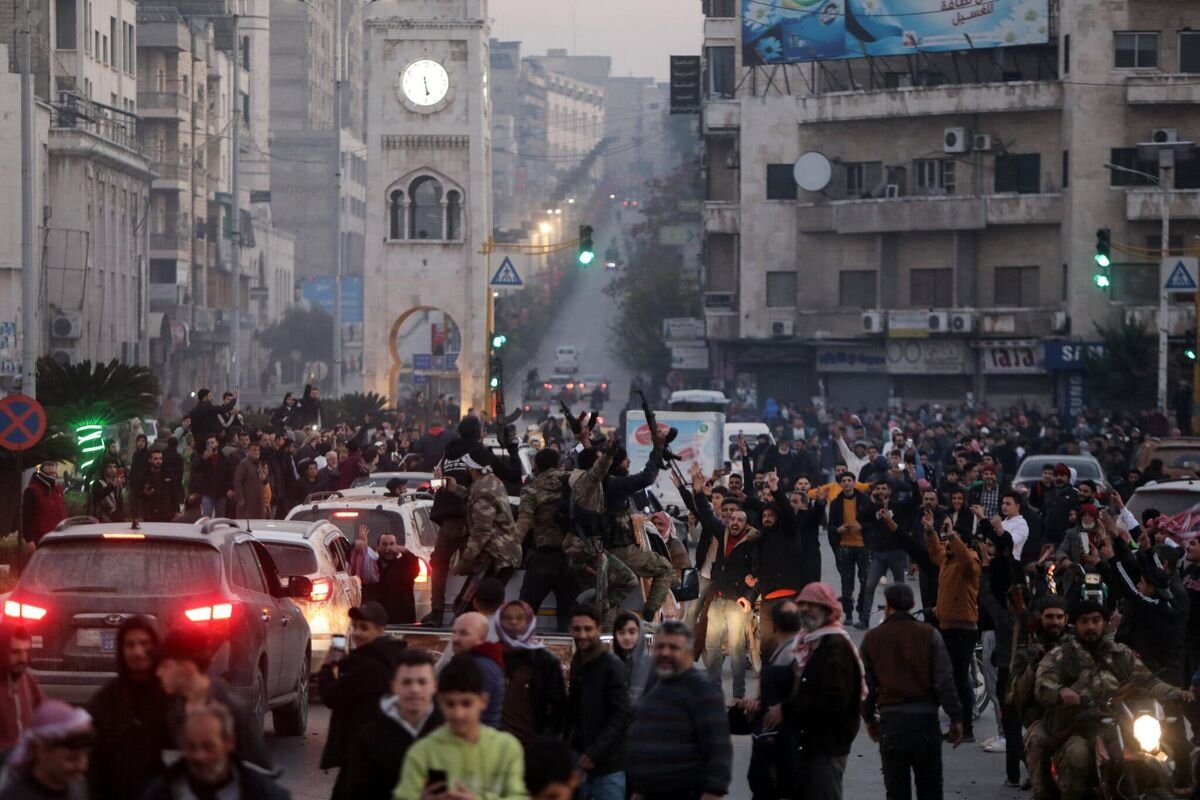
<point>544,512</point>
<point>1051,632</point>
<point>1074,679</point>
<point>619,487</point>
<point>493,548</point>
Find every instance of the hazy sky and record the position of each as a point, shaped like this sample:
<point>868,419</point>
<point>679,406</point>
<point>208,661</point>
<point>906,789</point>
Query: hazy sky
<point>638,34</point>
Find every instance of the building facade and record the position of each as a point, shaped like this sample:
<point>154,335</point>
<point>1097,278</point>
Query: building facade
<point>938,245</point>
<point>429,199</point>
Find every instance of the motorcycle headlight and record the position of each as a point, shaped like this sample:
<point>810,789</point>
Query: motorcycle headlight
<point>1148,732</point>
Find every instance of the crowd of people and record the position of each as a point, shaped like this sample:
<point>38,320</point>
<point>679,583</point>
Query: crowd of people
<point>1069,596</point>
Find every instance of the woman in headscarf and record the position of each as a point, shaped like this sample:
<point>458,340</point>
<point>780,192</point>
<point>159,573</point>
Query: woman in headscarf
<point>629,645</point>
<point>51,758</point>
<point>535,693</point>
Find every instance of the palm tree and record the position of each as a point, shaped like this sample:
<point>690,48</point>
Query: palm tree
<point>107,393</point>
<point>354,407</point>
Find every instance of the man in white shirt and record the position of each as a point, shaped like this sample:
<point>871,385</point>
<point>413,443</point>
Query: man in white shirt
<point>1010,522</point>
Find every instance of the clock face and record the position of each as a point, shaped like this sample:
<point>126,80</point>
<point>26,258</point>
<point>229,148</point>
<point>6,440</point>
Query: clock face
<point>425,82</point>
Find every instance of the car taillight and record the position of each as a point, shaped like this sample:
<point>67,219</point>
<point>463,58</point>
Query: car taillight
<point>23,611</point>
<point>213,613</point>
<point>346,514</point>
<point>604,386</point>
<point>423,572</point>
<point>322,588</point>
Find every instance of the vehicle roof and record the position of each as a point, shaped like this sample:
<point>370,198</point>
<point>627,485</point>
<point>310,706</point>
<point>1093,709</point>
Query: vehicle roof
<point>1079,459</point>
<point>286,530</point>
<point>698,396</point>
<point>207,531</point>
<point>1180,484</point>
<point>373,502</point>
<point>1174,440</point>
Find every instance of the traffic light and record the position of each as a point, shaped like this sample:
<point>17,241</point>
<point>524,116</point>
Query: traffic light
<point>498,340</point>
<point>495,373</point>
<point>1103,258</point>
<point>1190,353</point>
<point>587,250</point>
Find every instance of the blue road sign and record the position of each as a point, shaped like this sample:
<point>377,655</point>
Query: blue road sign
<point>423,361</point>
<point>507,275</point>
<point>1181,278</point>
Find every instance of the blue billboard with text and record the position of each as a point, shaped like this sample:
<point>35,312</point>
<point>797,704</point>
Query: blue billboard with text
<point>790,31</point>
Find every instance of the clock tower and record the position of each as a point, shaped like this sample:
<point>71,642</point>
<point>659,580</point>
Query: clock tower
<point>429,202</point>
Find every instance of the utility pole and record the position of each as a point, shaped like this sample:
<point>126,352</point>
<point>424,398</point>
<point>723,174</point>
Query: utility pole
<point>30,290</point>
<point>1166,160</point>
<point>235,224</point>
<point>337,199</point>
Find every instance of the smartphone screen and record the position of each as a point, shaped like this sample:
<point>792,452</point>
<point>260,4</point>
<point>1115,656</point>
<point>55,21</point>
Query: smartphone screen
<point>337,642</point>
<point>437,483</point>
<point>436,776</point>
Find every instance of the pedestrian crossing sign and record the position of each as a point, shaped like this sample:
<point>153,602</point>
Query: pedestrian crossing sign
<point>507,275</point>
<point>1179,275</point>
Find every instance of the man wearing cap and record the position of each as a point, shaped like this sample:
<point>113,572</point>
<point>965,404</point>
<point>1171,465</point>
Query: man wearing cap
<point>51,759</point>
<point>352,685</point>
<point>1052,629</point>
<point>1058,505</point>
<point>987,493</point>
<point>822,713</point>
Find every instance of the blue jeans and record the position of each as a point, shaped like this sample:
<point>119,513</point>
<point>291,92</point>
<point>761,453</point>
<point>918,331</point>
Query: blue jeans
<point>604,787</point>
<point>851,560</point>
<point>726,618</point>
<point>212,506</point>
<point>881,562</point>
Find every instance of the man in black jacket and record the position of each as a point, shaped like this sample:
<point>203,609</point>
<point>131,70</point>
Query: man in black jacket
<point>159,494</point>
<point>780,574</point>
<point>352,687</point>
<point>404,716</point>
<point>212,477</point>
<point>848,516</point>
<point>598,710</point>
<point>885,540</point>
<point>821,715</point>
<point>129,715</point>
<point>204,415</point>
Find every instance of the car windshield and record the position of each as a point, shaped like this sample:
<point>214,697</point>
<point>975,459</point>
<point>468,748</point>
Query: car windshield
<point>1169,502</point>
<point>1031,469</point>
<point>348,521</point>
<point>291,559</point>
<point>140,567</point>
<point>1178,457</point>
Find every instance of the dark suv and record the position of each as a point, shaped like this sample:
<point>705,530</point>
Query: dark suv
<point>85,578</point>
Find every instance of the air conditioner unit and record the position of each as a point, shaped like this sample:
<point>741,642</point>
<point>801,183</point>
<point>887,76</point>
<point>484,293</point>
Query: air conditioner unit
<point>891,190</point>
<point>982,142</point>
<point>65,355</point>
<point>874,322</point>
<point>962,322</point>
<point>955,140</point>
<point>1061,322</point>
<point>783,327</point>
<point>939,322</point>
<point>66,325</point>
<point>1164,136</point>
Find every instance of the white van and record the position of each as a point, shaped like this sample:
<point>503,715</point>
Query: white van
<point>566,360</point>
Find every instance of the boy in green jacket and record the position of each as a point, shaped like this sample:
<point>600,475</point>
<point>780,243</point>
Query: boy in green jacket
<point>463,759</point>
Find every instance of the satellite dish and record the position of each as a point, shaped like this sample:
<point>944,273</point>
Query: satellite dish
<point>812,171</point>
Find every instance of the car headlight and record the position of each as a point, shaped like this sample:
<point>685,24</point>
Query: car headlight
<point>1148,732</point>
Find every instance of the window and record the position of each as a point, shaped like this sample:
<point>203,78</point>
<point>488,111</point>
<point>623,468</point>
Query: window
<point>64,37</point>
<point>1127,157</point>
<point>1016,286</point>
<point>1135,49</point>
<point>720,8</point>
<point>246,53</point>
<point>721,71</point>
<point>935,175</point>
<point>781,182</point>
<point>863,177</point>
<point>931,288</point>
<point>396,215</point>
<point>103,49</point>
<point>133,568</point>
<point>87,27</point>
<point>856,288</point>
<point>425,209</point>
<point>1066,67</point>
<point>781,289</point>
<point>246,572</point>
<point>293,560</point>
<point>1136,284</point>
<point>1187,174</point>
<point>1019,173</point>
<point>1189,51</point>
<point>112,37</point>
<point>162,271</point>
<point>1066,169</point>
<point>453,216</point>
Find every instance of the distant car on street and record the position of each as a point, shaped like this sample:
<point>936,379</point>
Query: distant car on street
<point>566,360</point>
<point>1029,471</point>
<point>589,383</point>
<point>1169,497</point>
<point>1180,455</point>
<point>86,578</point>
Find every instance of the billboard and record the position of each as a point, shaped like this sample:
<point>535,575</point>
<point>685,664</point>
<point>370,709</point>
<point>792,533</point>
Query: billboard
<point>789,31</point>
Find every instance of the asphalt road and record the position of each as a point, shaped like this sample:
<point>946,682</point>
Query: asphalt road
<point>583,320</point>
<point>969,771</point>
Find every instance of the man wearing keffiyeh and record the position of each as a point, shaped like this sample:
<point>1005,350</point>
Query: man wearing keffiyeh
<point>821,716</point>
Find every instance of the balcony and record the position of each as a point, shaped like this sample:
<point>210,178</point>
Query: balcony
<point>169,245</point>
<point>722,115</point>
<point>720,30</point>
<point>720,217</point>
<point>1145,205</point>
<point>721,324</point>
<point>978,98</point>
<point>1162,90</point>
<point>932,213</point>
<point>85,129</point>
<point>163,105</point>
<point>174,171</point>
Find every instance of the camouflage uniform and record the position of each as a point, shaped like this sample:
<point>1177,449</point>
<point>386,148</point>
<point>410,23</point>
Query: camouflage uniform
<point>1021,697</point>
<point>643,563</point>
<point>546,571</point>
<point>1094,676</point>
<point>584,545</point>
<point>490,526</point>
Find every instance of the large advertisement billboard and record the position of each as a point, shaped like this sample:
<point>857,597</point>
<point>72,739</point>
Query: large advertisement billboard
<point>788,31</point>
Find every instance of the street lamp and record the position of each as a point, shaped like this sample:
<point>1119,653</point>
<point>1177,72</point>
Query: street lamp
<point>544,227</point>
<point>1165,162</point>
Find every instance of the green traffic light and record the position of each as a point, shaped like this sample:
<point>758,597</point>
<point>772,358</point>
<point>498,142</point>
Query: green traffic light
<point>1101,280</point>
<point>498,341</point>
<point>1190,353</point>
<point>587,257</point>
<point>494,382</point>
<point>1102,259</point>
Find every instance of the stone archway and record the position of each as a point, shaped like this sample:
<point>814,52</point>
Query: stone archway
<point>425,345</point>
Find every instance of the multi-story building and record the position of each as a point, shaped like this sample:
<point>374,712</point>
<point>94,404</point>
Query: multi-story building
<point>936,239</point>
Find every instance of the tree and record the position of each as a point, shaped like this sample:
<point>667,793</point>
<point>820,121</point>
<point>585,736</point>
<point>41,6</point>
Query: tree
<point>353,408</point>
<point>307,332</point>
<point>110,392</point>
<point>1126,376</point>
